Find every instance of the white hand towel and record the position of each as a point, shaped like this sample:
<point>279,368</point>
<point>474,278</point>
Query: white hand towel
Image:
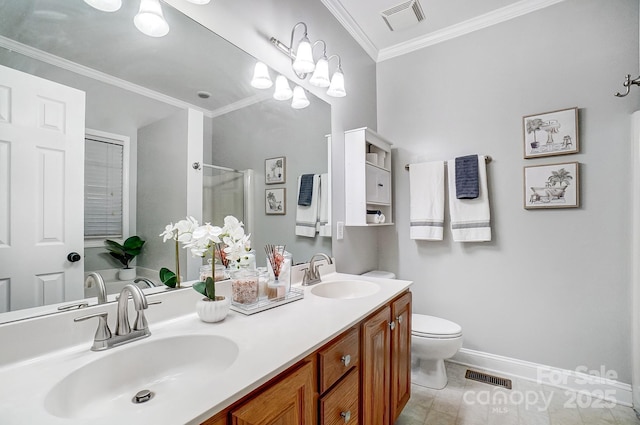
<point>470,218</point>
<point>324,228</point>
<point>426,198</point>
<point>307,216</point>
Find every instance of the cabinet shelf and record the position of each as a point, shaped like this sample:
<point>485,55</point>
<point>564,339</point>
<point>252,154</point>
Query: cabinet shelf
<point>367,177</point>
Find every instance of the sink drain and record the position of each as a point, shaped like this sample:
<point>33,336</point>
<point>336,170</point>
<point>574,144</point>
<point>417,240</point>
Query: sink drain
<point>142,396</point>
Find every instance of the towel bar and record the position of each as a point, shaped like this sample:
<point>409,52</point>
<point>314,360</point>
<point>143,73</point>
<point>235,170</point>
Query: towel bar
<point>487,159</point>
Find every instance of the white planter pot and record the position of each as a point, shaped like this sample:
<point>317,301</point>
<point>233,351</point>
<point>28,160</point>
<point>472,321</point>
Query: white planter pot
<point>213,311</point>
<point>127,274</point>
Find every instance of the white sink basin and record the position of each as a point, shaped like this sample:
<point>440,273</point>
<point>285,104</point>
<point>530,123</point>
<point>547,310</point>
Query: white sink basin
<point>164,366</point>
<point>345,289</point>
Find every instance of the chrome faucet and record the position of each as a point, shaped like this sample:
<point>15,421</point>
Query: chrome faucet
<point>99,281</point>
<point>148,282</point>
<point>312,274</point>
<point>104,339</point>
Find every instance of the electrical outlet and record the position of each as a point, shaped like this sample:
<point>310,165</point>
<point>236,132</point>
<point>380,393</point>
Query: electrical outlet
<point>340,230</point>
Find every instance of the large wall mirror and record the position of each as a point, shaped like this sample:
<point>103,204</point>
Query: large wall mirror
<point>138,87</point>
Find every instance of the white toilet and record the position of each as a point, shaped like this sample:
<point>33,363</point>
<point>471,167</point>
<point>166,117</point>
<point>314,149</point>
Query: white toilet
<point>432,341</point>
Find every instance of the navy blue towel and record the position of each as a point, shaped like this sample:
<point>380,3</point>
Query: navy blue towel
<point>306,190</point>
<point>467,177</point>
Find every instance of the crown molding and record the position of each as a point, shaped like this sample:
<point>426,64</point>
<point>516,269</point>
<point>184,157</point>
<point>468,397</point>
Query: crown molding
<point>242,103</point>
<point>483,21</point>
<point>54,60</point>
<point>340,13</point>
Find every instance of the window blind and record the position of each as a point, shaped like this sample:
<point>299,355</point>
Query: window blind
<point>103,181</point>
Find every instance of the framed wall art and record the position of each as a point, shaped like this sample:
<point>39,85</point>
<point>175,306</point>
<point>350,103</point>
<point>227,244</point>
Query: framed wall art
<point>551,133</point>
<point>552,186</point>
<point>275,170</point>
<point>275,201</point>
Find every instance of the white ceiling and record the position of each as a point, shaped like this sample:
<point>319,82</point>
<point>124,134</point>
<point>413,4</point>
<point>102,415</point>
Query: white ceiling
<point>444,19</point>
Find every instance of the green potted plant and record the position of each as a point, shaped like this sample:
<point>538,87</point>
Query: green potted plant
<point>211,308</point>
<point>125,253</point>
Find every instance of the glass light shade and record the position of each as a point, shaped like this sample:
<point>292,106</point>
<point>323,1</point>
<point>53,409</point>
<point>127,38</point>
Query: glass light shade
<point>320,77</point>
<point>299,98</point>
<point>105,5</point>
<point>150,20</point>
<point>282,91</point>
<point>336,89</point>
<point>199,1</point>
<point>261,78</point>
<point>304,57</point>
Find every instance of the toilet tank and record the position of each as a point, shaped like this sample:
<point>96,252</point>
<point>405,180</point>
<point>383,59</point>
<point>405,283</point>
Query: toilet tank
<point>380,273</point>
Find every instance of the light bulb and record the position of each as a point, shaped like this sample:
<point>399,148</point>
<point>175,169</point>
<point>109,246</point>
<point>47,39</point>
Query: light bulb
<point>282,91</point>
<point>304,57</point>
<point>299,98</point>
<point>336,89</point>
<point>261,78</point>
<point>105,5</point>
<point>150,20</point>
<point>320,77</point>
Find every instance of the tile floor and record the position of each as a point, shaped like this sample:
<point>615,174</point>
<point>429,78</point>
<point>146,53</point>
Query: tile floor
<point>466,402</point>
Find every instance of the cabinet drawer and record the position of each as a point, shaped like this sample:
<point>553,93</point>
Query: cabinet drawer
<point>340,405</point>
<point>337,358</point>
<point>378,185</point>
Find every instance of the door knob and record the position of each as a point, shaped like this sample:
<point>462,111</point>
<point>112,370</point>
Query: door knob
<point>73,257</point>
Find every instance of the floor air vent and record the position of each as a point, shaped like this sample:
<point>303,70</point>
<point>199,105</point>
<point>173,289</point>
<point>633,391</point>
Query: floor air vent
<point>487,379</point>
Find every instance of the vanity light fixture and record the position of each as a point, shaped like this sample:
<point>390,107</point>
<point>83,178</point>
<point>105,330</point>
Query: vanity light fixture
<point>261,78</point>
<point>199,1</point>
<point>282,91</point>
<point>105,5</point>
<point>299,98</point>
<point>150,19</point>
<point>303,64</point>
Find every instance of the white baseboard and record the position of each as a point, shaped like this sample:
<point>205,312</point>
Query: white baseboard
<point>582,383</point>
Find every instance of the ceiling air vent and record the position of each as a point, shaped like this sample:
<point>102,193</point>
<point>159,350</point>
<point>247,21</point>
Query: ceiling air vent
<point>403,15</point>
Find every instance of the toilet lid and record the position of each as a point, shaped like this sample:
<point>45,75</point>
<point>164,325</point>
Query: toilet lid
<point>430,326</point>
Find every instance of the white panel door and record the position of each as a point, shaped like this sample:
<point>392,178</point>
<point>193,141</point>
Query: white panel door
<point>41,190</point>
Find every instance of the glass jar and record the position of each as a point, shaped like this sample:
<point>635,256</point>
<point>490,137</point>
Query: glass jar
<point>284,277</point>
<point>263,281</point>
<point>217,272</point>
<point>205,271</point>
<point>244,286</point>
<point>276,290</point>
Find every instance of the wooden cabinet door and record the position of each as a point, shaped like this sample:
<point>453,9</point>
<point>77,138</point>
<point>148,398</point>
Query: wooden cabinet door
<point>400,354</point>
<point>375,366</point>
<point>290,401</point>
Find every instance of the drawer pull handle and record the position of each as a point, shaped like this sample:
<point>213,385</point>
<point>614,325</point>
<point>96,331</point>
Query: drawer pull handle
<point>346,359</point>
<point>392,325</point>
<point>399,319</point>
<point>380,185</point>
<point>346,415</point>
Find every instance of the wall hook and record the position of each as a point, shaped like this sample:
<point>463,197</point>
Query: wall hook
<point>627,83</point>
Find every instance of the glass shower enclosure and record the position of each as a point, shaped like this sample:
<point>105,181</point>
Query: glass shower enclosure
<point>227,192</point>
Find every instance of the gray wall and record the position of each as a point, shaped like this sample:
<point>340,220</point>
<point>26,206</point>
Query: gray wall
<point>162,171</point>
<point>245,138</point>
<point>251,32</point>
<point>553,287</point>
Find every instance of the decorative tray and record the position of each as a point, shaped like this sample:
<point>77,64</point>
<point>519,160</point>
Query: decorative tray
<point>262,305</point>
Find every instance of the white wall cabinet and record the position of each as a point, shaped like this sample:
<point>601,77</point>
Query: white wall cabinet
<point>367,177</point>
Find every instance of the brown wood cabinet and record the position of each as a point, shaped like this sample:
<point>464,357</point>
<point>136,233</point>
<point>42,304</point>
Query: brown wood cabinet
<point>290,401</point>
<point>363,376</point>
<point>386,362</point>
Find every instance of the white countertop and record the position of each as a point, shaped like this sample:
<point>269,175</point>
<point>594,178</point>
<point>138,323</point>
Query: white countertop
<point>268,342</point>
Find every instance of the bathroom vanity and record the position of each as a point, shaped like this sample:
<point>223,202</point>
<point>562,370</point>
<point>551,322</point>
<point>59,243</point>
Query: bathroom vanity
<point>335,356</point>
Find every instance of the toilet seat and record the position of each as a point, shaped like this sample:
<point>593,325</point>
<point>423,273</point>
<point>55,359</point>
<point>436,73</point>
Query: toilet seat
<point>423,326</point>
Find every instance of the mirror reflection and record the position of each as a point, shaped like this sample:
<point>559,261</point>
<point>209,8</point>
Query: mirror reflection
<point>143,96</point>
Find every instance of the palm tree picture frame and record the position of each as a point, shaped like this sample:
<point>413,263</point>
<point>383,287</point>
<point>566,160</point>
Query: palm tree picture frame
<point>551,133</point>
<point>552,186</point>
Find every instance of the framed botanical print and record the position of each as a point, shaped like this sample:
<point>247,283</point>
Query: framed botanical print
<point>275,201</point>
<point>275,170</point>
<point>552,186</point>
<point>551,133</point>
